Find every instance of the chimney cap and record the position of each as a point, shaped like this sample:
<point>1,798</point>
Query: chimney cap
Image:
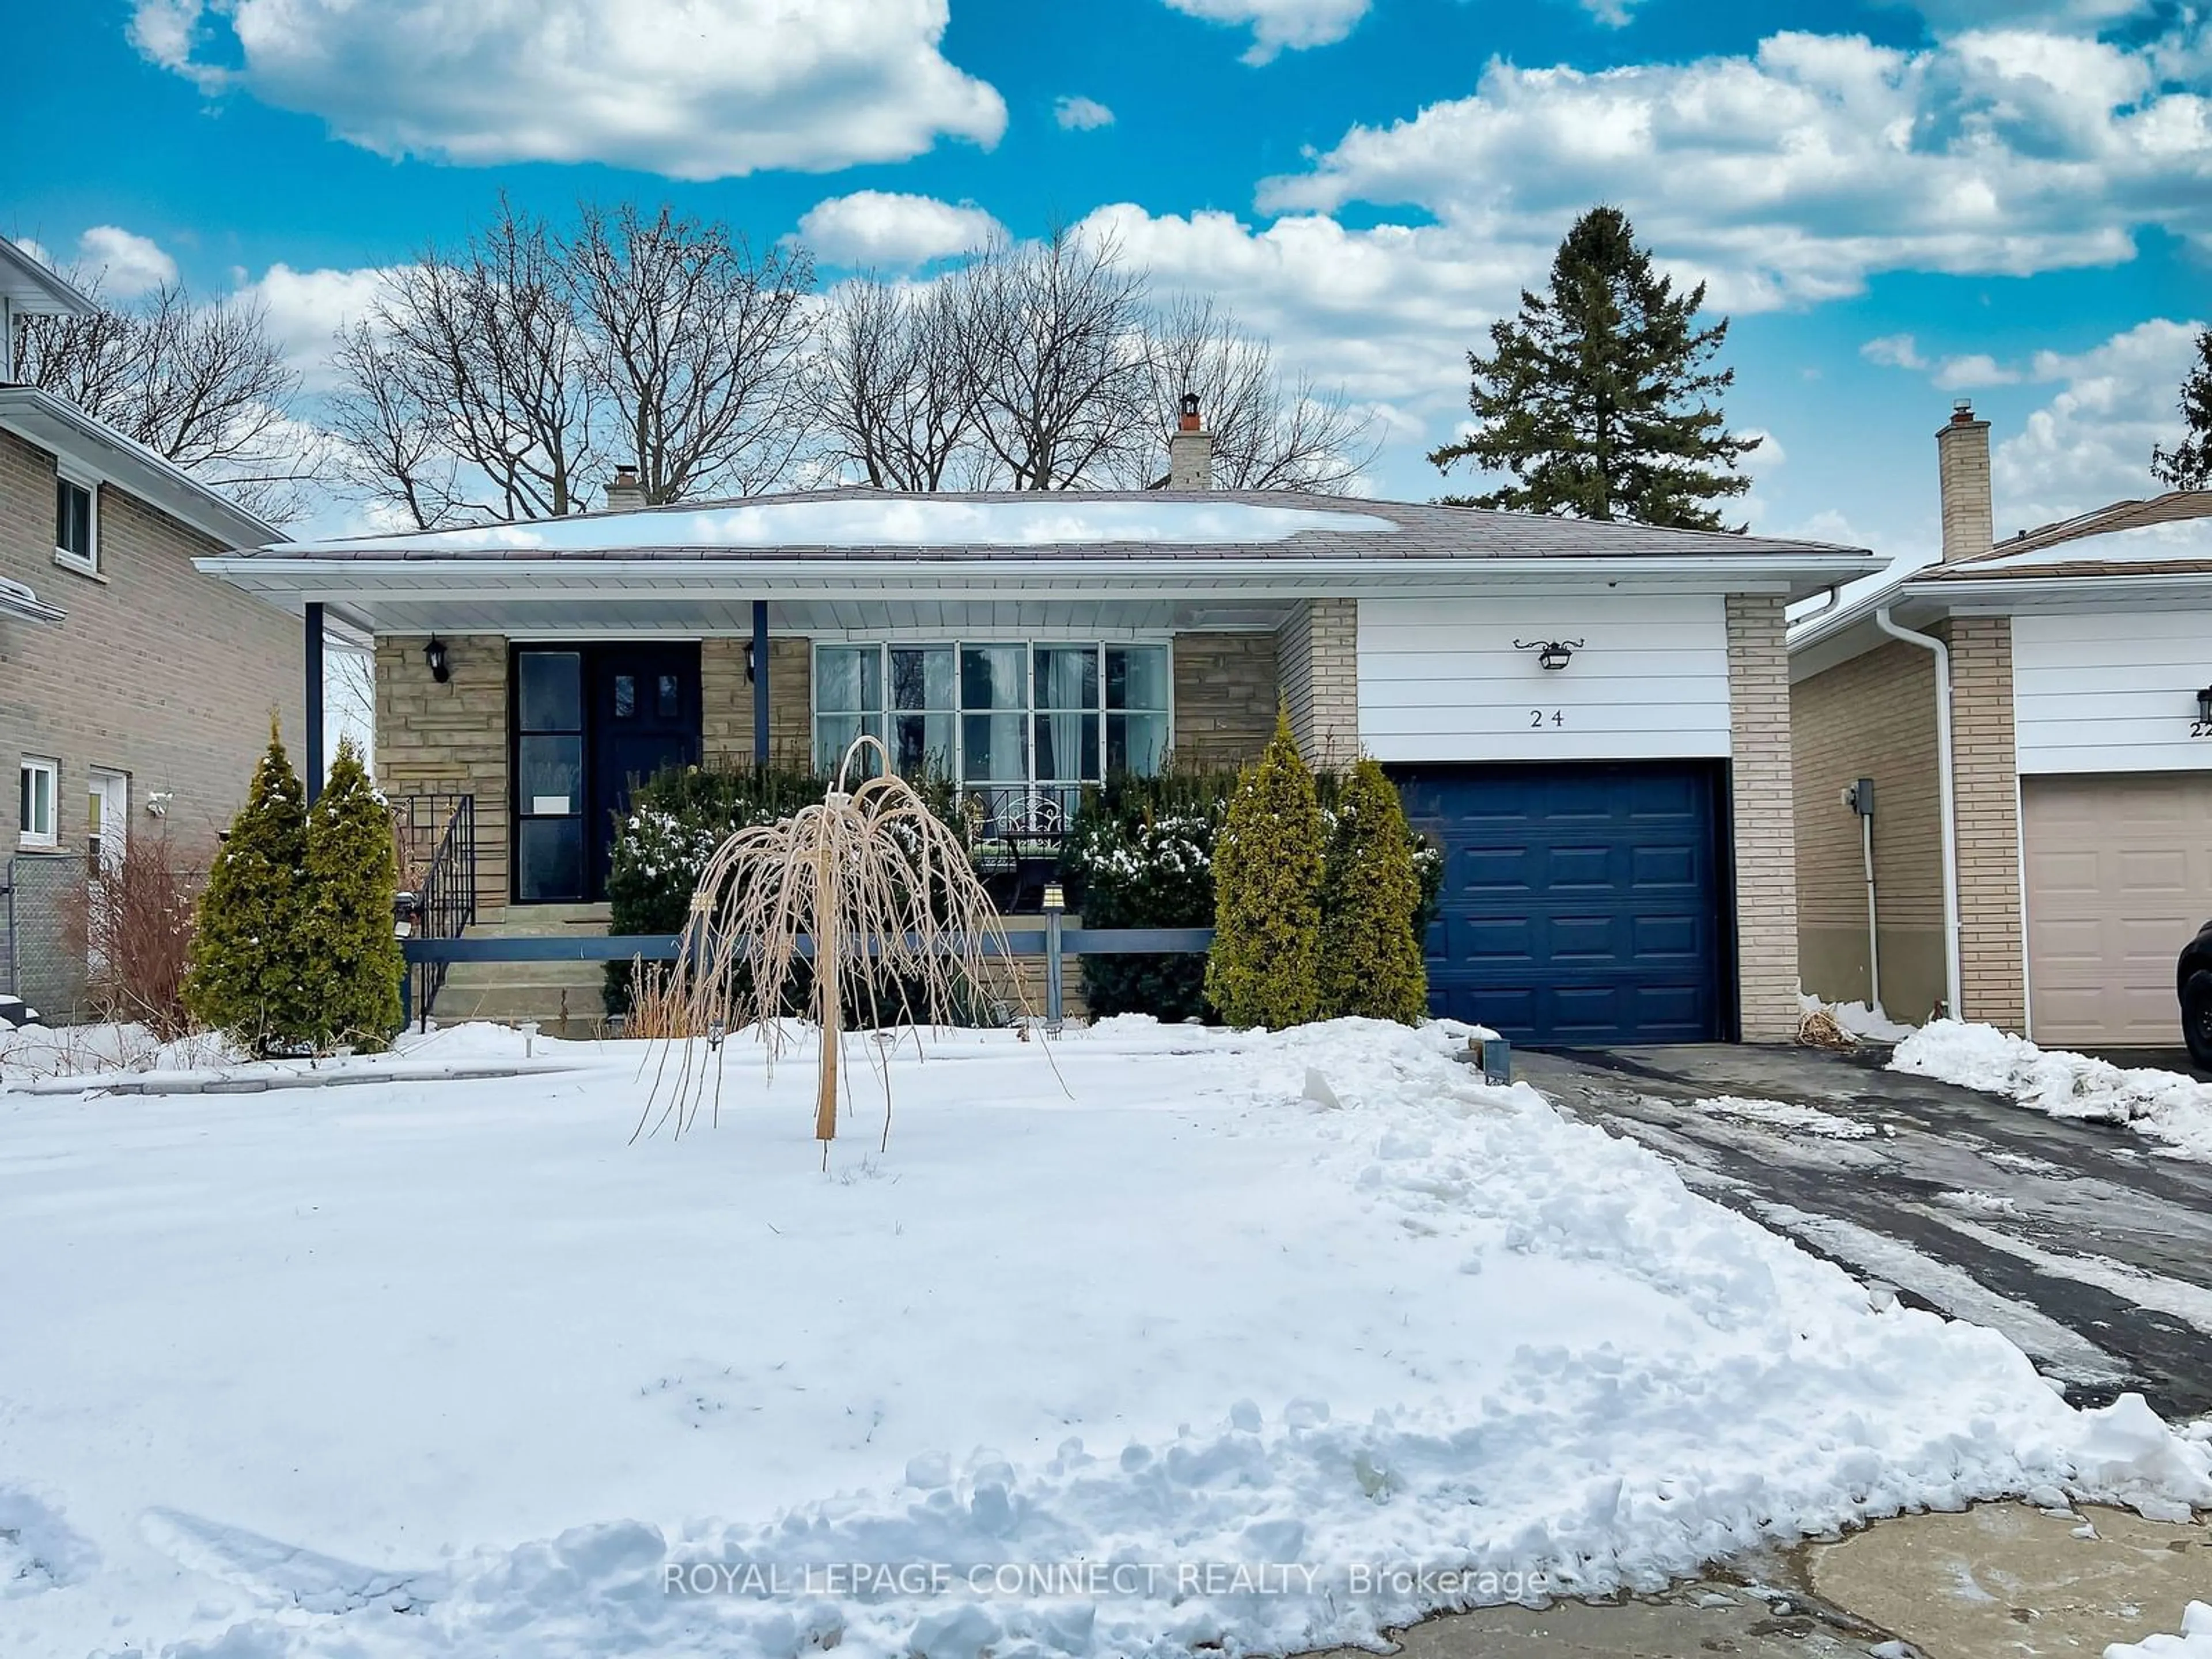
<point>1962,411</point>
<point>1190,422</point>
<point>625,474</point>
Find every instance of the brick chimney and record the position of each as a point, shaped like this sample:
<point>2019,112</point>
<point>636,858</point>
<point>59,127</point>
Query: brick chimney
<point>1962,466</point>
<point>1190,450</point>
<point>625,494</point>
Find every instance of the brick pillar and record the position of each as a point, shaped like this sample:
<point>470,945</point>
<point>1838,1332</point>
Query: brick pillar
<point>1764,826</point>
<point>1986,795</point>
<point>1317,663</point>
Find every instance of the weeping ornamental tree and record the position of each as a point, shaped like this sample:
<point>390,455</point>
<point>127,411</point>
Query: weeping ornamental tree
<point>346,913</point>
<point>880,886</point>
<point>251,970</point>
<point>1370,953</point>
<point>1600,397</point>
<point>1265,965</point>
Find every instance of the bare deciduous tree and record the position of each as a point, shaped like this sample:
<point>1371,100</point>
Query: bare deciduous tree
<point>892,386</point>
<point>1269,433</point>
<point>1056,338</point>
<point>479,352</point>
<point>203,386</point>
<point>696,343</point>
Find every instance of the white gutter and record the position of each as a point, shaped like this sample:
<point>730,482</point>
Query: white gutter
<point>1946,802</point>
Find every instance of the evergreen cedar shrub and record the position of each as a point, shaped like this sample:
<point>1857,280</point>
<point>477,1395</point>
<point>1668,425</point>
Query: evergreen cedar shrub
<point>1140,854</point>
<point>353,958</point>
<point>249,973</point>
<point>1265,966</point>
<point>1370,955</point>
<point>679,816</point>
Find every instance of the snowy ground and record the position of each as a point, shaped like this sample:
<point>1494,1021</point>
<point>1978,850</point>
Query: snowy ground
<point>1872,1024</point>
<point>452,1368</point>
<point>2195,1641</point>
<point>2175,1111</point>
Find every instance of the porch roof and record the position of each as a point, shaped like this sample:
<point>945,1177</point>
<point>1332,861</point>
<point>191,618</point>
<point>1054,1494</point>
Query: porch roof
<point>1153,558</point>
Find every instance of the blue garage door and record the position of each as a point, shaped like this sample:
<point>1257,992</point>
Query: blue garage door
<point>1581,904</point>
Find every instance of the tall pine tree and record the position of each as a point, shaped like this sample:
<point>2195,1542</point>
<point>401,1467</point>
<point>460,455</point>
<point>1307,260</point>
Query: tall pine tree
<point>1599,398</point>
<point>2188,464</point>
<point>352,876</point>
<point>248,974</point>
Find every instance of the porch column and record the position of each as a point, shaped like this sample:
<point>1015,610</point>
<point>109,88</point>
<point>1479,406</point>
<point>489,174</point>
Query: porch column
<point>315,699</point>
<point>759,681</point>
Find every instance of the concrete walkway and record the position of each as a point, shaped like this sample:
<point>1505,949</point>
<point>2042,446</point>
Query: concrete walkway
<point>2001,1582</point>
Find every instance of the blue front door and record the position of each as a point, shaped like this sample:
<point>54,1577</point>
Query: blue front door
<point>1582,903</point>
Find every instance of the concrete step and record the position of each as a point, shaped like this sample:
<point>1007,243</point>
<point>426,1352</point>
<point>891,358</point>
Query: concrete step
<point>512,1005</point>
<point>552,975</point>
<point>544,921</point>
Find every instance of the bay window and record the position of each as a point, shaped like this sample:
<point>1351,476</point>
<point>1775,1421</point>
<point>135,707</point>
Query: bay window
<point>1040,719</point>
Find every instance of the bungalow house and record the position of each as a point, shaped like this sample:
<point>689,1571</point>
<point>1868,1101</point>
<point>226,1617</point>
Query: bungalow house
<point>1591,717</point>
<point>2035,716</point>
<point>135,692</point>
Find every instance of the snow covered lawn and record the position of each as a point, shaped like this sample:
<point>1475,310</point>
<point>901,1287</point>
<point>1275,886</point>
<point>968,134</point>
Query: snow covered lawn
<point>2172,1110</point>
<point>452,1367</point>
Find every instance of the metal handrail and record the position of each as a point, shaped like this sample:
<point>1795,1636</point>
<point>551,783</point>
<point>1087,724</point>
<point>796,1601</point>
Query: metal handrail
<point>446,899</point>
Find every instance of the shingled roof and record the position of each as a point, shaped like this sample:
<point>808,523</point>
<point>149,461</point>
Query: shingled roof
<point>1326,527</point>
<point>2010,559</point>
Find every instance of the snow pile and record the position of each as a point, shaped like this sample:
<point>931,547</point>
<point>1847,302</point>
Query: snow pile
<point>91,1057</point>
<point>34,1052</point>
<point>2164,1105</point>
<point>1171,1359</point>
<point>1786,1114</point>
<point>2195,1641</point>
<point>1869,1024</point>
<point>891,521</point>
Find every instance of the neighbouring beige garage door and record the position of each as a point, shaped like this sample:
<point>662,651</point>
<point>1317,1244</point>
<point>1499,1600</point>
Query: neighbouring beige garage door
<point>2119,877</point>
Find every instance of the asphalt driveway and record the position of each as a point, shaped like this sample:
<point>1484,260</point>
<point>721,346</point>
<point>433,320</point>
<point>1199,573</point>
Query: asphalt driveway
<point>2087,1248</point>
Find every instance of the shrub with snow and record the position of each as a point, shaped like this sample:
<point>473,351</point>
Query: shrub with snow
<point>1265,966</point>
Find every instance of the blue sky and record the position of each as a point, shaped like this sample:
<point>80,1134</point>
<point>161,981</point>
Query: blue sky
<point>1898,204</point>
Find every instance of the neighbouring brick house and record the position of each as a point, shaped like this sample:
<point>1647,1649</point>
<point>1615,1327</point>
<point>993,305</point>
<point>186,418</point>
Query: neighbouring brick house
<point>2063,679</point>
<point>136,692</point>
<point>1592,719</point>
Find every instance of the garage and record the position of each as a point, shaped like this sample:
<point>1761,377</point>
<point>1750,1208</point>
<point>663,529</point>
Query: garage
<point>2119,877</point>
<point>1582,903</point>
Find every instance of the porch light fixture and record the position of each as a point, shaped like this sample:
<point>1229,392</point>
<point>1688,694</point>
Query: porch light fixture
<point>435,654</point>
<point>1552,654</point>
<point>751,667</point>
<point>2204,705</point>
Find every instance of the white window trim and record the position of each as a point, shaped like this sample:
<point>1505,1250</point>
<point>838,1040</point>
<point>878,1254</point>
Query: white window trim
<point>885,641</point>
<point>90,483</point>
<point>51,836</point>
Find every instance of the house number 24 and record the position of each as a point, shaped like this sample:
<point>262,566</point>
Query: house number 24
<point>1537,717</point>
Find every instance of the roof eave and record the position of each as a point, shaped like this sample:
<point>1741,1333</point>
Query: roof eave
<point>53,423</point>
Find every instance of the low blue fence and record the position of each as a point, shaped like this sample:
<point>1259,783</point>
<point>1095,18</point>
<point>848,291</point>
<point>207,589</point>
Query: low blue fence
<point>1053,942</point>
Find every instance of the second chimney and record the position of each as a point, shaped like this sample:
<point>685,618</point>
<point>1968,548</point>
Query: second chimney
<point>1190,450</point>
<point>1962,470</point>
<point>625,494</point>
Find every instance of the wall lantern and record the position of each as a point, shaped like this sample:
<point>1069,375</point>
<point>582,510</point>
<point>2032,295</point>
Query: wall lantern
<point>1553,654</point>
<point>2204,705</point>
<point>435,654</point>
<point>751,667</point>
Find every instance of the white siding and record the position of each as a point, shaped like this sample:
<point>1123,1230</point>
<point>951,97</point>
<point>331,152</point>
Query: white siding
<point>1439,679</point>
<point>2115,692</point>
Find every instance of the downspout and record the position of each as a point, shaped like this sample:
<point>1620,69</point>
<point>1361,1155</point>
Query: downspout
<point>1945,802</point>
<point>1873,915</point>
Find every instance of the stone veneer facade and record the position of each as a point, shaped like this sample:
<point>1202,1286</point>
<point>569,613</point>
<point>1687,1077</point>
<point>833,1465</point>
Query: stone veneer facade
<point>1225,697</point>
<point>1765,842</point>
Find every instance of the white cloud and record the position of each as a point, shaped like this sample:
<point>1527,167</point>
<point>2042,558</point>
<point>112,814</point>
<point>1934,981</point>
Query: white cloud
<point>2091,444</point>
<point>122,264</point>
<point>305,310</point>
<point>1793,174</point>
<point>1277,24</point>
<point>1080,114</point>
<point>877,226</point>
<point>690,89</point>
<point>1955,374</point>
